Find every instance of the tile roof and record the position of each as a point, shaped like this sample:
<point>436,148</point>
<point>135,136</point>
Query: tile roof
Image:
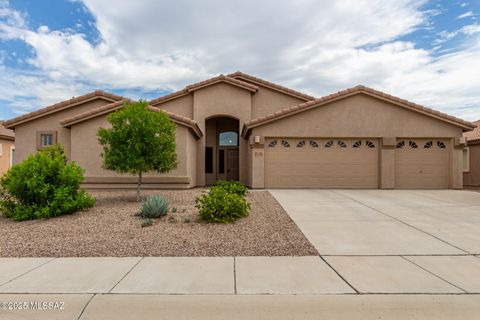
<point>5,133</point>
<point>117,105</point>
<point>348,92</point>
<point>203,84</point>
<point>61,106</point>
<point>271,85</point>
<point>473,135</point>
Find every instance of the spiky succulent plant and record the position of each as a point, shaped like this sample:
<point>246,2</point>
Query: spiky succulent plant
<point>154,207</point>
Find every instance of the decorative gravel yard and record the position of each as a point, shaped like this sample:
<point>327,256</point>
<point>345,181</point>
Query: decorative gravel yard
<point>112,228</point>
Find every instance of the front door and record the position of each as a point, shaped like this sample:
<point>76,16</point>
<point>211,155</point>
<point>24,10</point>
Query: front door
<point>232,164</point>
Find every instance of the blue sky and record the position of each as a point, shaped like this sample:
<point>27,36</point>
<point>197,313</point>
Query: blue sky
<point>425,51</point>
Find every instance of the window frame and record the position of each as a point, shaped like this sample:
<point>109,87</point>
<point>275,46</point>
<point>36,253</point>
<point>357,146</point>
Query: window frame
<point>39,138</point>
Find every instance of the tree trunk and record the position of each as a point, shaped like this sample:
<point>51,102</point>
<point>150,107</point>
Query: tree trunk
<point>139,183</point>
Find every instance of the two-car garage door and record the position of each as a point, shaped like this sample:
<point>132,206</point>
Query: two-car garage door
<point>353,163</point>
<point>321,163</point>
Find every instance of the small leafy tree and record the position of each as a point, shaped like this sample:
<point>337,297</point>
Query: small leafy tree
<point>139,141</point>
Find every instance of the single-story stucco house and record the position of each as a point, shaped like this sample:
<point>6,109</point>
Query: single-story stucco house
<point>471,165</point>
<point>7,148</point>
<point>268,136</point>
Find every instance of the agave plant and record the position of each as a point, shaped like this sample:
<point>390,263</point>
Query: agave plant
<point>154,207</point>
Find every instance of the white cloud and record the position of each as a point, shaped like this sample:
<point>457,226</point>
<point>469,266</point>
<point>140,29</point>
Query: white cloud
<point>466,15</point>
<point>318,48</point>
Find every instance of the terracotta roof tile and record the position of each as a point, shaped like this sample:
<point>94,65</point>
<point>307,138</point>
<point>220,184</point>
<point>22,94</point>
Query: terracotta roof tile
<point>474,134</point>
<point>202,84</point>
<point>6,133</point>
<point>61,106</point>
<point>344,93</point>
<point>271,85</point>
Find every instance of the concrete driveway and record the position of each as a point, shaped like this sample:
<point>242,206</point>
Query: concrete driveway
<point>393,241</point>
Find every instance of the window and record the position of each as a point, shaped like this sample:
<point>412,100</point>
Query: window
<point>401,144</point>
<point>208,160</point>
<point>428,145</point>
<point>341,144</point>
<point>313,144</point>
<point>329,144</point>
<point>466,159</point>
<point>46,139</point>
<point>221,161</point>
<point>285,144</point>
<point>369,144</point>
<point>12,155</point>
<point>412,144</point>
<point>357,144</point>
<point>301,144</point>
<point>272,143</point>
<point>441,145</point>
<point>229,138</point>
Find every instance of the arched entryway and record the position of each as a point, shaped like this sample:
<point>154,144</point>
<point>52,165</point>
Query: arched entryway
<point>221,149</point>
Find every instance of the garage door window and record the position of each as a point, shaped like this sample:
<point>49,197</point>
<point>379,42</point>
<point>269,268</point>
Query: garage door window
<point>412,144</point>
<point>329,144</point>
<point>341,144</point>
<point>272,143</point>
<point>357,144</point>
<point>370,144</point>
<point>401,144</point>
<point>428,145</point>
<point>285,143</point>
<point>313,144</point>
<point>441,145</point>
<point>301,144</point>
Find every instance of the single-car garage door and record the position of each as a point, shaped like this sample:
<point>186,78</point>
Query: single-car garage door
<point>321,163</point>
<point>421,164</point>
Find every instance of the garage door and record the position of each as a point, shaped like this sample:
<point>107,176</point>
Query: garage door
<point>421,164</point>
<point>321,163</point>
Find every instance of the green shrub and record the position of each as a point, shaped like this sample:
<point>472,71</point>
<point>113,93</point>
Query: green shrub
<point>154,207</point>
<point>232,187</point>
<point>43,186</point>
<point>220,206</point>
<point>147,222</point>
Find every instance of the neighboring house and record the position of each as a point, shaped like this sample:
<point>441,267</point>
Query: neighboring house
<point>7,148</point>
<point>471,158</point>
<point>267,136</point>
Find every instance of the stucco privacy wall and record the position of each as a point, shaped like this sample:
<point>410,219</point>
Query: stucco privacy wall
<point>472,176</point>
<point>26,134</point>
<point>365,117</point>
<point>86,152</point>
<point>221,100</point>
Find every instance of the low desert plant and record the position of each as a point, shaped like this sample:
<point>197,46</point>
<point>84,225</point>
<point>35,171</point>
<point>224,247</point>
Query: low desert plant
<point>187,220</point>
<point>232,187</point>
<point>221,206</point>
<point>172,219</point>
<point>154,207</point>
<point>174,210</point>
<point>147,222</point>
<point>42,186</point>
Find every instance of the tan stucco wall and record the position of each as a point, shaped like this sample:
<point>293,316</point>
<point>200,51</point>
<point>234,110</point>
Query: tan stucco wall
<point>266,101</point>
<point>220,100</point>
<point>6,155</point>
<point>86,152</point>
<point>472,177</point>
<point>367,117</point>
<point>26,134</point>
<point>182,105</point>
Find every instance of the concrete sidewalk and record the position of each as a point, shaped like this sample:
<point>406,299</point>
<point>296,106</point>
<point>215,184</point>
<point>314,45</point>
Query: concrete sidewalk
<point>278,307</point>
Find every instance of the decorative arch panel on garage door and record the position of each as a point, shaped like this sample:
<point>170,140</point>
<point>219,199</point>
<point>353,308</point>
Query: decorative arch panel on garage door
<point>321,163</point>
<point>422,164</point>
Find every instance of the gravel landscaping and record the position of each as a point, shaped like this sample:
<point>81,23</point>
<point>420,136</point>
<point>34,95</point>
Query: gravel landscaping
<point>111,228</point>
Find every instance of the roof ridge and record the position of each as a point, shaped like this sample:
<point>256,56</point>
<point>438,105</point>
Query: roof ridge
<point>59,105</point>
<point>343,93</point>
<point>197,85</point>
<point>276,86</point>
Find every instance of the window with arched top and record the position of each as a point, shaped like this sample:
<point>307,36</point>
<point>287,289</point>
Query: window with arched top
<point>228,138</point>
<point>412,144</point>
<point>341,144</point>
<point>357,144</point>
<point>441,145</point>
<point>329,144</point>
<point>401,144</point>
<point>370,144</point>
<point>272,143</point>
<point>301,144</point>
<point>285,143</point>
<point>428,145</point>
<point>313,144</point>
